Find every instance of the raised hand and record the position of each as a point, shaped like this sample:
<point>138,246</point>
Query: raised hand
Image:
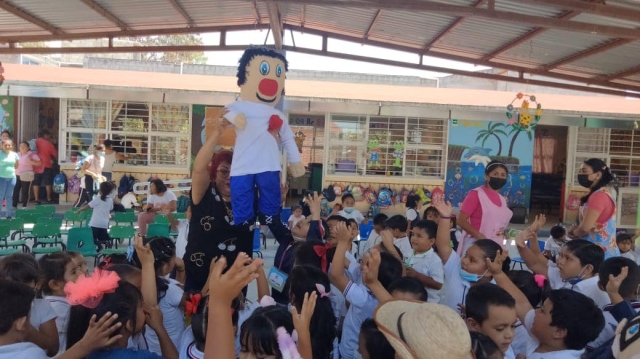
<point>223,288</point>
<point>613,286</point>
<point>495,266</point>
<point>444,208</point>
<point>145,255</point>
<point>302,320</point>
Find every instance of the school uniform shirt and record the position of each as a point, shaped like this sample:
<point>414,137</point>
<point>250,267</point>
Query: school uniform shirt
<point>588,287</point>
<point>138,342</point>
<point>101,210</point>
<point>355,215</point>
<point>183,235</point>
<point>534,344</point>
<point>455,289</point>
<point>411,214</point>
<point>187,348</point>
<point>172,317</point>
<point>430,265</point>
<point>362,305</point>
<point>510,354</point>
<point>41,312</point>
<point>62,310</point>
<point>249,308</point>
<point>374,238</point>
<point>631,255</point>
<point>405,247</point>
<point>22,350</point>
<point>553,246</point>
<point>520,339</point>
<point>295,220</point>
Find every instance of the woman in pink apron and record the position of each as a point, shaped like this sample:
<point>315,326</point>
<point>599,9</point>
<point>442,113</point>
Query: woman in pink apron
<point>598,210</point>
<point>484,213</point>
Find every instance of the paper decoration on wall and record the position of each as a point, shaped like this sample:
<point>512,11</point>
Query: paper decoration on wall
<point>398,153</point>
<point>300,137</point>
<point>385,197</point>
<point>523,113</point>
<point>374,153</point>
<point>424,194</point>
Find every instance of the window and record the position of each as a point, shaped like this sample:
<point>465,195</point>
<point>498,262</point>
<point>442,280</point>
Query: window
<point>311,129</point>
<point>387,146</point>
<point>151,134</point>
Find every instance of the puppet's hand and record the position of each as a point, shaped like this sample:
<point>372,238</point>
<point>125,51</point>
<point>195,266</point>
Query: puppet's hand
<point>297,169</point>
<point>240,122</point>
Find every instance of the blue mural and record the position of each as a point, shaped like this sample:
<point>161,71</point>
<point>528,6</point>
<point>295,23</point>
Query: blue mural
<point>473,144</point>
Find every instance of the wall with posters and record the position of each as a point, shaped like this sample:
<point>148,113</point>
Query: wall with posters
<point>472,144</point>
<point>7,112</point>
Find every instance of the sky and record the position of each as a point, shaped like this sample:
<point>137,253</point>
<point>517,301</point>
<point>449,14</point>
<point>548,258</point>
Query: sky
<point>300,61</point>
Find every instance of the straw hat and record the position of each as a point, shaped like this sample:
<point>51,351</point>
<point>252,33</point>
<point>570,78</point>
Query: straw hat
<point>419,330</point>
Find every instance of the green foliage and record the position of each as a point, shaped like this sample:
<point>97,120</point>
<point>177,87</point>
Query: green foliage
<point>173,40</point>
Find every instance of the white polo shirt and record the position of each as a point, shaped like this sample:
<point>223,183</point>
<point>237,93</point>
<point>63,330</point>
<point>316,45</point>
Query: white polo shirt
<point>430,265</point>
<point>534,344</point>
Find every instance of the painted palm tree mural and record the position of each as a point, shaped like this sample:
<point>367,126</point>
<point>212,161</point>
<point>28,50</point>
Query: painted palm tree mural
<point>492,131</point>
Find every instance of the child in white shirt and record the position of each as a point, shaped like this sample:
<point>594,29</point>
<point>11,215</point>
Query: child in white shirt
<point>423,263</point>
<point>625,244</point>
<point>349,210</point>
<point>555,242</point>
<point>296,216</point>
<point>398,226</point>
<point>99,223</point>
<point>374,236</point>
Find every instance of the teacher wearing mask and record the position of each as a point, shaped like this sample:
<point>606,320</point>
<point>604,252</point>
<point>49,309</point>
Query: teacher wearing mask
<point>597,219</point>
<point>484,213</point>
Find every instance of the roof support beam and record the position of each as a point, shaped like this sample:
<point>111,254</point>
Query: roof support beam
<point>4,5</point>
<point>441,55</point>
<point>121,49</point>
<point>584,54</point>
<point>302,15</point>
<point>448,29</point>
<point>595,8</point>
<point>130,33</point>
<point>275,21</point>
<point>256,13</point>
<point>620,75</point>
<point>106,14</point>
<point>467,11</point>
<point>526,37</point>
<point>372,24</point>
<point>182,12</point>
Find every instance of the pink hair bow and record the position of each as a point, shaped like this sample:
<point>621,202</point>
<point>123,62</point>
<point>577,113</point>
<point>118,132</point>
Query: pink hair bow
<point>88,291</point>
<point>539,278</point>
<point>267,301</point>
<point>322,291</point>
<point>286,345</point>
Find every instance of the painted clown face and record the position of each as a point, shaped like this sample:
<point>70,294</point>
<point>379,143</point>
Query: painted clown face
<point>265,80</point>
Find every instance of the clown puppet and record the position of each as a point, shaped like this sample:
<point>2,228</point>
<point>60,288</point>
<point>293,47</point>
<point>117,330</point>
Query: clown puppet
<point>260,129</point>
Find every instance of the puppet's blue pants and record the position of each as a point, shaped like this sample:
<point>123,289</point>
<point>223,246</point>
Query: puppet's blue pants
<point>243,192</point>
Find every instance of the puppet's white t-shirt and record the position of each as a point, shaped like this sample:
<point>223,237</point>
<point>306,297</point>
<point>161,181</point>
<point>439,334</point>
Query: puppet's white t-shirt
<point>256,150</point>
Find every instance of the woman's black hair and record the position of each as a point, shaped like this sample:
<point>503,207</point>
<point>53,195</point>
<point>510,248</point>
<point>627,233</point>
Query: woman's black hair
<point>303,279</point>
<point>252,52</point>
<point>106,188</point>
<point>20,267</point>
<point>482,346</point>
<point>525,281</point>
<point>412,201</point>
<point>409,285</point>
<point>495,164</point>
<point>490,249</point>
<point>160,186</point>
<point>607,179</point>
<point>258,333</point>
<point>305,254</point>
<point>200,320</point>
<point>26,143</point>
<point>163,250</point>
<point>124,302</point>
<point>52,267</point>
<point>376,343</point>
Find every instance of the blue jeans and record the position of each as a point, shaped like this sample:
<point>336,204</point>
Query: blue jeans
<point>6,193</point>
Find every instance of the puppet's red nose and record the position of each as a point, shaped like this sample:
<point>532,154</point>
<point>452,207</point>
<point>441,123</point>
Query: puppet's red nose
<point>268,87</point>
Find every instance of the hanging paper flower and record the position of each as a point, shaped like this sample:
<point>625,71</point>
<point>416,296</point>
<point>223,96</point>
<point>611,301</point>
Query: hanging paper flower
<point>532,98</point>
<point>520,117</point>
<point>510,107</point>
<point>519,95</point>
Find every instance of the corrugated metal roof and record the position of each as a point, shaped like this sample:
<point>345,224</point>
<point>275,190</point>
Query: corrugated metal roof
<point>472,38</point>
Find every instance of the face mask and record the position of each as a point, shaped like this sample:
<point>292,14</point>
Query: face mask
<point>577,279</point>
<point>348,210</point>
<point>584,181</point>
<point>496,183</point>
<point>101,154</point>
<point>471,277</point>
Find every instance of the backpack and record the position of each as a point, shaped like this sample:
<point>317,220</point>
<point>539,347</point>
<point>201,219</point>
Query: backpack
<point>37,169</point>
<point>131,183</point>
<point>123,186</point>
<point>33,145</point>
<point>183,203</point>
<point>74,184</point>
<point>60,183</point>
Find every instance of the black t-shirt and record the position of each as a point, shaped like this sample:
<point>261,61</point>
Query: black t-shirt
<point>211,234</point>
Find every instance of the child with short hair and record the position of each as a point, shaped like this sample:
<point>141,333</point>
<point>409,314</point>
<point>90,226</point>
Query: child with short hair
<point>42,329</point>
<point>375,235</point>
<point>406,288</point>
<point>557,239</point>
<point>397,226</point>
<point>490,310</point>
<point>349,210</point>
<point>56,270</point>
<point>561,327</point>
<point>372,344</point>
<point>100,217</point>
<point>423,263</point>
<point>296,215</point>
<point>625,244</point>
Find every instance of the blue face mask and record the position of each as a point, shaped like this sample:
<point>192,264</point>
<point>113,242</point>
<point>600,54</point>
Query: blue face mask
<point>348,210</point>
<point>577,279</point>
<point>101,154</point>
<point>471,277</point>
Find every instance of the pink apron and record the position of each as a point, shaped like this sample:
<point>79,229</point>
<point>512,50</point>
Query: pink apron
<point>604,234</point>
<point>495,220</point>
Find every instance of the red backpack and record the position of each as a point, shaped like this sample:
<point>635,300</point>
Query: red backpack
<point>39,168</point>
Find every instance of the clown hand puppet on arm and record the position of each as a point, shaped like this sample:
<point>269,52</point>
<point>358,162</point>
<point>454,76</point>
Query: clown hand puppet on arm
<point>259,129</point>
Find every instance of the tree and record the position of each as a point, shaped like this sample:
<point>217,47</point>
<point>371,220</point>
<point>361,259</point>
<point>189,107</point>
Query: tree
<point>492,130</point>
<point>172,40</point>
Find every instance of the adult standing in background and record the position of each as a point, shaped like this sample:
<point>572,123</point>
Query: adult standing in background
<point>598,210</point>
<point>484,213</point>
<point>25,173</point>
<point>47,153</point>
<point>91,173</point>
<point>8,164</point>
<point>110,157</point>
<point>5,135</point>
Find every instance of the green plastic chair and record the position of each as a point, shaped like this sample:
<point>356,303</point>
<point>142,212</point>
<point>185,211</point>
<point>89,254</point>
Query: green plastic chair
<point>80,239</point>
<point>28,216</point>
<point>161,219</point>
<point>124,218</point>
<point>158,230</point>
<point>46,210</point>
<point>132,210</point>
<point>179,216</point>
<point>111,251</point>
<point>87,214</point>
<point>71,216</point>
<point>46,234</point>
<point>5,233</point>
<point>16,225</point>
<point>50,221</point>
<point>120,233</point>
<point>8,252</point>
